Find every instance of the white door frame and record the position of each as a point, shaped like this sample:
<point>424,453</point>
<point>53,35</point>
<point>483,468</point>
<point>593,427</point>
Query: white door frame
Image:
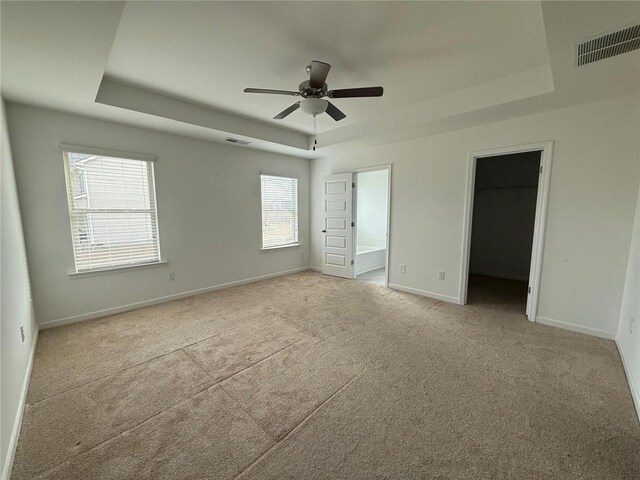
<point>540,219</point>
<point>375,168</point>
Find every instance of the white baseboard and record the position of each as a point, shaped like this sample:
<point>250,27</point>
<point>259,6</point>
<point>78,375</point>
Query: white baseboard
<point>633,386</point>
<point>17,423</point>
<point>576,328</point>
<point>315,269</point>
<point>424,293</point>
<point>155,301</point>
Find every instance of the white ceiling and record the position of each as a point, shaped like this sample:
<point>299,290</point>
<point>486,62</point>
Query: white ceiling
<point>181,66</point>
<point>209,51</point>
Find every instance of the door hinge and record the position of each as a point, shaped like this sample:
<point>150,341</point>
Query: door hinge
<point>540,168</point>
<point>529,290</point>
<point>352,262</point>
<point>353,224</point>
<point>353,184</point>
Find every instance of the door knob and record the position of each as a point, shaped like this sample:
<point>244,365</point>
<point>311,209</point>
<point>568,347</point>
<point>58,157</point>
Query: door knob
<point>324,231</point>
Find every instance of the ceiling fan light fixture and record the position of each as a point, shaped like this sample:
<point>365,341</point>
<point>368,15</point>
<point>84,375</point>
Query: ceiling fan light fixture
<point>313,106</point>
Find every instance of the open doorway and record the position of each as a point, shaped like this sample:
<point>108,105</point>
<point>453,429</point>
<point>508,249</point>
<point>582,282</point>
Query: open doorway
<point>359,198</point>
<point>371,213</point>
<point>504,223</point>
<point>504,210</point>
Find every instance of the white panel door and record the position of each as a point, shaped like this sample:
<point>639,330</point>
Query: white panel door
<point>337,228</point>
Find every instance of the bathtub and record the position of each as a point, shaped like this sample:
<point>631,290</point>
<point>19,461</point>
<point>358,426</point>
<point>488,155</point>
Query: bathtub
<point>370,258</point>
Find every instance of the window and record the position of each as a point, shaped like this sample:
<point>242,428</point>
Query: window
<point>279,211</point>
<point>112,209</point>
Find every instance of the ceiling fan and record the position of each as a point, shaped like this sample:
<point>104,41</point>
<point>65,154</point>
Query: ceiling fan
<point>313,92</point>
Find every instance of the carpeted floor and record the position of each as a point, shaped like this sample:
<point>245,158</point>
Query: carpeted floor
<point>497,293</point>
<point>308,376</point>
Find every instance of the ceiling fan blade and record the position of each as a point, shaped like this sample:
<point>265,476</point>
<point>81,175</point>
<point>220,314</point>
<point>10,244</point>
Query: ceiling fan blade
<point>356,92</point>
<point>267,90</point>
<point>287,111</point>
<point>334,112</point>
<point>318,74</point>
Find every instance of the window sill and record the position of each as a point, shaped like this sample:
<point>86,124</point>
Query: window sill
<point>281,247</point>
<point>122,269</point>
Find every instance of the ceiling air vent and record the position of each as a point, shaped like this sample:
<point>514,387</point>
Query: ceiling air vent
<point>237,141</point>
<point>608,45</point>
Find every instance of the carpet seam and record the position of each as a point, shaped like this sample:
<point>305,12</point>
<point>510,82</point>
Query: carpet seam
<point>239,402</point>
<point>198,366</point>
<point>136,365</point>
<point>133,427</point>
<point>323,403</point>
<point>240,405</point>
<point>299,425</point>
<point>262,360</point>
<point>209,385</point>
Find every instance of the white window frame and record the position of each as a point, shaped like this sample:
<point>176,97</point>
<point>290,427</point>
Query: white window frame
<point>65,149</point>
<point>262,248</point>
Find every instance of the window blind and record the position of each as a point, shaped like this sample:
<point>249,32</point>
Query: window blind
<point>112,209</point>
<point>279,211</point>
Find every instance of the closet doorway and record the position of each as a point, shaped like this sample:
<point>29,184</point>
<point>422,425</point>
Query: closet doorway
<point>504,228</point>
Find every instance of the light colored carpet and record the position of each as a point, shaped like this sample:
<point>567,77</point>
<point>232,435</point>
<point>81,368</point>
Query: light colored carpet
<point>308,376</point>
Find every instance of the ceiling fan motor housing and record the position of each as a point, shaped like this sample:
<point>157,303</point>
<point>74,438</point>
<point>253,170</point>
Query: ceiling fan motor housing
<point>309,92</point>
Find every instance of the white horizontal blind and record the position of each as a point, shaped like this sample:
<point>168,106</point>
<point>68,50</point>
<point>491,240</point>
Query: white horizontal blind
<point>112,208</point>
<point>279,211</point>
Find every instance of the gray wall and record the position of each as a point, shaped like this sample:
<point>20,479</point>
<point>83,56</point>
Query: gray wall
<point>208,198</point>
<point>504,210</point>
<point>15,304</point>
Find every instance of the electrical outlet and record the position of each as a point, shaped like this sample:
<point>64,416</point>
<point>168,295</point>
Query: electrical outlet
<point>440,274</point>
<point>631,324</point>
<point>22,332</point>
<point>172,276</point>
<point>403,268</point>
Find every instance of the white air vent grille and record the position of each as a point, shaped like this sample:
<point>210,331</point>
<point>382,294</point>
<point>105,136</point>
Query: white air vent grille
<point>237,141</point>
<point>608,45</point>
